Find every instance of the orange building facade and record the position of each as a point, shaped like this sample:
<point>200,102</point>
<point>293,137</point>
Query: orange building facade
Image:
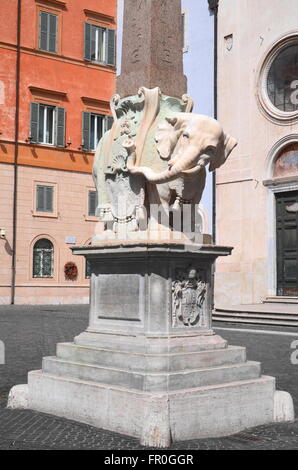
<point>57,74</point>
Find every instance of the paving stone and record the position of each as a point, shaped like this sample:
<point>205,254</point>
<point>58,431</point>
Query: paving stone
<point>31,332</point>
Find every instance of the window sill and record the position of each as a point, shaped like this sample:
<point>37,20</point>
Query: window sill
<point>45,214</point>
<point>92,218</point>
<point>45,144</point>
<point>48,52</point>
<point>40,278</point>
<point>101,64</point>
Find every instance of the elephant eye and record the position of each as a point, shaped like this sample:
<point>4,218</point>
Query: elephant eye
<point>186,135</point>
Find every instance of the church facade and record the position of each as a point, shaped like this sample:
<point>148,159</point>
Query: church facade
<point>257,189</point>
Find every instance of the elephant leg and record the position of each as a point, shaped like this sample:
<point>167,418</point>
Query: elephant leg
<point>159,206</point>
<point>191,196</point>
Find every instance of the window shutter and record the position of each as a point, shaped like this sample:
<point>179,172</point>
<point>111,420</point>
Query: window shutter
<point>43,38</point>
<point>92,203</point>
<point>110,47</point>
<point>108,122</point>
<point>60,127</point>
<point>48,198</point>
<point>40,198</point>
<point>87,53</point>
<point>86,130</point>
<point>52,32</point>
<point>34,114</point>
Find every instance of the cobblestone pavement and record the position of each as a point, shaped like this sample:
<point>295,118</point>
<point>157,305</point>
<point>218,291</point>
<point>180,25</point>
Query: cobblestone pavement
<point>29,333</point>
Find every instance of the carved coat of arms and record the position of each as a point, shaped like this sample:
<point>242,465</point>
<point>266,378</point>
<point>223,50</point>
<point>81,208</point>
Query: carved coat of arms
<point>189,293</point>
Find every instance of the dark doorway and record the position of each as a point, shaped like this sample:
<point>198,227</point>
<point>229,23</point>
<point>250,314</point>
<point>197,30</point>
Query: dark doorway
<point>287,243</point>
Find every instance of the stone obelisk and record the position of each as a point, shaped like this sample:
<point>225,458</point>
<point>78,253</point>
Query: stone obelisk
<point>152,47</point>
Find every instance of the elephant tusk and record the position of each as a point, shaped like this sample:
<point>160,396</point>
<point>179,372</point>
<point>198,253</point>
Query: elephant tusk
<point>192,171</point>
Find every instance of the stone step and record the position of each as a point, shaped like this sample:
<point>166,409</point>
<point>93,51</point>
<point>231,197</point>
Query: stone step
<point>137,362</point>
<point>230,319</point>
<point>281,300</point>
<point>228,315</point>
<point>152,381</point>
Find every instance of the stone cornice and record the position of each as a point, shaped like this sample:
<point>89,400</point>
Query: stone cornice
<point>52,3</point>
<point>99,16</point>
<point>282,180</point>
<point>59,57</point>
<point>38,90</point>
<point>96,101</point>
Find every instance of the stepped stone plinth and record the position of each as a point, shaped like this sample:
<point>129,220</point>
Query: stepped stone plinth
<point>149,364</point>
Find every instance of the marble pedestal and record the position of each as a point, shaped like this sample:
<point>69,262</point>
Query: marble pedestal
<point>149,364</point>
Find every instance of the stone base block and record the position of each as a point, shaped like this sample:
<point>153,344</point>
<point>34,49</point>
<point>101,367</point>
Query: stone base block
<point>18,396</point>
<point>139,362</point>
<point>150,381</point>
<point>159,417</point>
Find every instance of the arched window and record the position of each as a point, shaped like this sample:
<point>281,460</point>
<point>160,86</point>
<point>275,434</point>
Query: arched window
<point>286,163</point>
<point>43,258</point>
<point>282,79</point>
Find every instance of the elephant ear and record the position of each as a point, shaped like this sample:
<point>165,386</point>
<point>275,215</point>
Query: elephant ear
<point>226,146</point>
<point>166,138</point>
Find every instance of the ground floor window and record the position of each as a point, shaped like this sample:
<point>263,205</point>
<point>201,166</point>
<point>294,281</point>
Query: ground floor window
<point>87,270</point>
<point>43,258</point>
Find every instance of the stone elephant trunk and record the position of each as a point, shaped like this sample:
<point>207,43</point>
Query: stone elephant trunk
<point>189,143</point>
<point>181,168</point>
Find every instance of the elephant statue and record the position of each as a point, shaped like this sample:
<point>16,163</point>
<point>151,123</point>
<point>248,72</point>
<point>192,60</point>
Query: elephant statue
<point>188,143</point>
<point>147,167</point>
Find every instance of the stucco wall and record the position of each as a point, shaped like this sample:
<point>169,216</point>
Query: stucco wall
<point>71,220</point>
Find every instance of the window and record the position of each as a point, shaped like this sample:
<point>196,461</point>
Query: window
<point>46,127</point>
<point>44,198</point>
<point>92,203</point>
<point>47,124</point>
<point>99,44</point>
<point>282,79</point>
<point>94,126</point>
<point>43,256</point>
<point>87,269</point>
<point>48,31</point>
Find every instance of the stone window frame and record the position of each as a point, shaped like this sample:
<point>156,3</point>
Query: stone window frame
<point>92,218</point>
<point>265,104</point>
<point>44,280</point>
<point>41,265</point>
<point>55,99</point>
<point>94,107</point>
<point>273,186</point>
<point>35,212</point>
<point>52,8</point>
